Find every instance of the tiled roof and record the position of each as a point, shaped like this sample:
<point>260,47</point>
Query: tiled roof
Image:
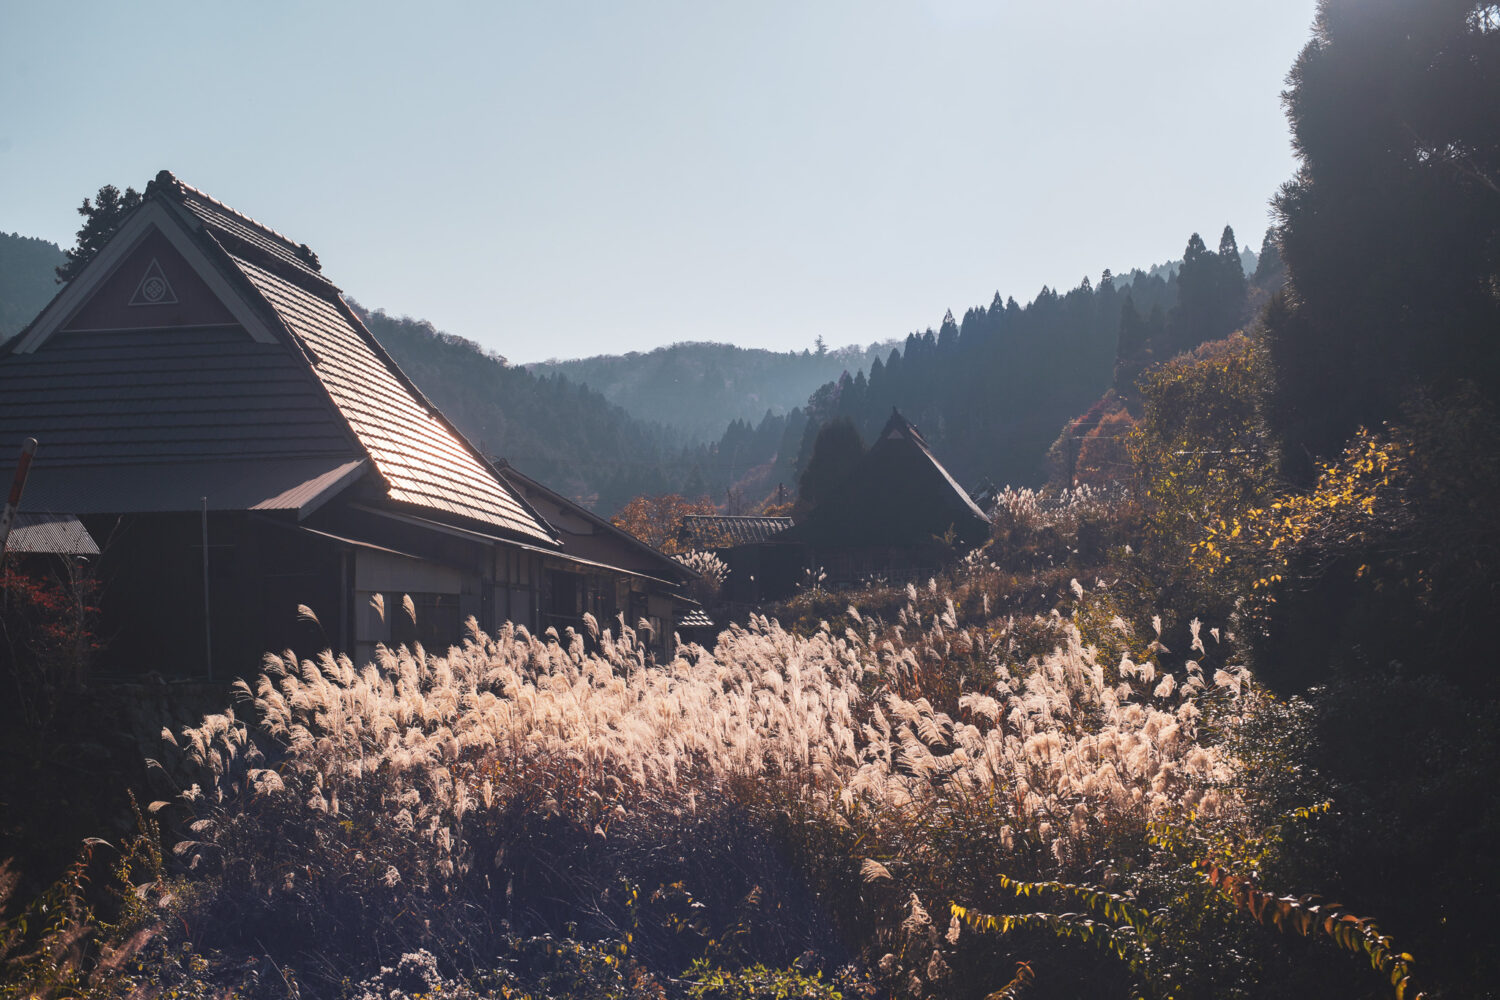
<point>225,221</point>
<point>725,531</point>
<point>136,396</point>
<point>421,458</point>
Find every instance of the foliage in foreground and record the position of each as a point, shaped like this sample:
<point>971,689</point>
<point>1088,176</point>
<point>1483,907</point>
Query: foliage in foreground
<point>530,814</point>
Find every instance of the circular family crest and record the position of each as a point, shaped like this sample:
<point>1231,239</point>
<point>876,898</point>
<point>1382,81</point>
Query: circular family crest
<point>154,289</point>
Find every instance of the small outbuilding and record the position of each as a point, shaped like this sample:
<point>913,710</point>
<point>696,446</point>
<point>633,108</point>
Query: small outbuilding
<point>762,564</point>
<point>897,515</point>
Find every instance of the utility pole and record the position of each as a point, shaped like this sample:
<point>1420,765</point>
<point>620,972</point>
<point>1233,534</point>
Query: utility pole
<point>208,627</point>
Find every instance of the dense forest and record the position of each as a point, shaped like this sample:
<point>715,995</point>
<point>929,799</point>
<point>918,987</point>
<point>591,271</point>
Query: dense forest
<point>561,432</point>
<point>991,391</point>
<point>28,279</point>
<point>699,389</point>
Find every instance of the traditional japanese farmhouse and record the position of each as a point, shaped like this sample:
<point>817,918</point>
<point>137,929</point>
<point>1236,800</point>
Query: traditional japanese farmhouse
<point>762,564</point>
<point>899,515</point>
<point>213,412</point>
<point>607,572</point>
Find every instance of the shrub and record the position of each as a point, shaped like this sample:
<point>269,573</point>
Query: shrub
<point>712,572</point>
<point>739,805</point>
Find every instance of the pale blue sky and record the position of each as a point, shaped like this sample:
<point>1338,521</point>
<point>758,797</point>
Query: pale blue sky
<point>562,179</point>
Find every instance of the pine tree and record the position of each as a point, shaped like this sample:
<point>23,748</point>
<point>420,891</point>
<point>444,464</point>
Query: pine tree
<point>1197,286</point>
<point>1268,264</point>
<point>947,339</point>
<point>1232,280</point>
<point>101,217</point>
<point>836,450</point>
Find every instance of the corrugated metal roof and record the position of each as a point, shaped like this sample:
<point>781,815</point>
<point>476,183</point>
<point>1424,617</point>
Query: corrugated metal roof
<point>52,534</point>
<point>421,458</point>
<point>725,531</point>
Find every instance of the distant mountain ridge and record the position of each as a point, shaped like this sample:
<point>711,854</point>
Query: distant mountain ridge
<point>704,419</point>
<point>699,388</point>
<point>28,279</point>
<point>555,430</point>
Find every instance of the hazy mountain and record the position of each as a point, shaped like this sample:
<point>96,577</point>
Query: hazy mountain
<point>559,431</point>
<point>27,279</point>
<point>698,389</point>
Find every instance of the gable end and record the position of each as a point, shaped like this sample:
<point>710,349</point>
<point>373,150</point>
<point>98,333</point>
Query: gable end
<point>158,233</point>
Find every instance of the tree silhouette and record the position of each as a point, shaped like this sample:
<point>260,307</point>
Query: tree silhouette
<point>101,217</point>
<point>836,450</point>
<point>1391,229</point>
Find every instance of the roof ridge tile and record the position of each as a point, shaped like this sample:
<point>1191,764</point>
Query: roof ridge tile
<point>167,181</point>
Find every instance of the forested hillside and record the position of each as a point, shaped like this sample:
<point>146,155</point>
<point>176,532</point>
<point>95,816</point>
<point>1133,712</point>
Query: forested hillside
<point>700,388</point>
<point>990,391</point>
<point>569,436</point>
<point>28,279</point>
<point>563,433</point>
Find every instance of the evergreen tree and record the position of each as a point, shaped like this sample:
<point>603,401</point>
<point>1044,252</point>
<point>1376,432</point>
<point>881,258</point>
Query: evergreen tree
<point>1391,228</point>
<point>1268,265</point>
<point>836,450</point>
<point>1132,328</point>
<point>947,339</point>
<point>101,217</point>
<point>1232,281</point>
<point>1210,293</point>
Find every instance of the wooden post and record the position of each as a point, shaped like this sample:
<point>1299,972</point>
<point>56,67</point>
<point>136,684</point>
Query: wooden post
<point>8,516</point>
<point>208,628</point>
